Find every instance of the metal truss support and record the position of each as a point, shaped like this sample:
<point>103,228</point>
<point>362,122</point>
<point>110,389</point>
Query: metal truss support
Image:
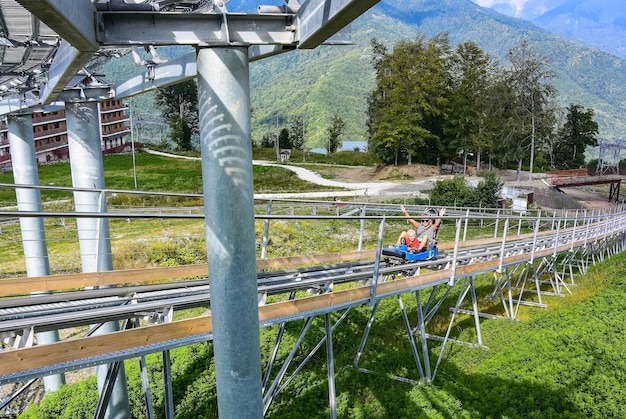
<point>330,363</point>
<point>279,339</point>
<point>567,266</point>
<point>362,227</point>
<point>528,270</point>
<point>278,385</point>
<point>547,266</point>
<point>581,257</point>
<point>266,230</point>
<point>274,388</point>
<point>614,191</point>
<point>6,401</point>
<point>105,395</point>
<point>109,383</point>
<point>145,384</point>
<point>467,288</point>
<point>503,282</point>
<point>167,379</point>
<point>424,314</point>
<point>421,325</point>
<point>418,363</point>
<point>366,332</point>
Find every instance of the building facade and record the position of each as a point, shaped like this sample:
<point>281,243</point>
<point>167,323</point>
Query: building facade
<point>50,132</point>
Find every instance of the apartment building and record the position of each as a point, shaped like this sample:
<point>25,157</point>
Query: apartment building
<point>50,132</point>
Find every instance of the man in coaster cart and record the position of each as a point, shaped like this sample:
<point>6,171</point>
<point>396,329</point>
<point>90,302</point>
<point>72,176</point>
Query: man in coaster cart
<point>419,239</point>
<point>419,243</point>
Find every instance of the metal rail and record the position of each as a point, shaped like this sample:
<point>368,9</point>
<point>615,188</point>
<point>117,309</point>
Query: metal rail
<point>522,265</point>
<point>84,307</point>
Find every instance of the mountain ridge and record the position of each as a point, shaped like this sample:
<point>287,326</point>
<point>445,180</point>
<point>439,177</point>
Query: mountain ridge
<point>597,23</point>
<point>579,68</point>
<point>336,80</point>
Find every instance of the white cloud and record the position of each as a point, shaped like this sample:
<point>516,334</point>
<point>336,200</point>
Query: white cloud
<point>518,5</point>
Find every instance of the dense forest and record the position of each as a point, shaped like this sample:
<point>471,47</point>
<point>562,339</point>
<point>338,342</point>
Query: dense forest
<point>434,102</point>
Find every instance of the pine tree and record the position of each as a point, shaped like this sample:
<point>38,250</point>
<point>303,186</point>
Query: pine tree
<point>578,132</point>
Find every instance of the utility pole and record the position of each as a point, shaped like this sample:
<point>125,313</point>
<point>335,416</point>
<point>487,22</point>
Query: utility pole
<point>276,141</point>
<point>132,141</point>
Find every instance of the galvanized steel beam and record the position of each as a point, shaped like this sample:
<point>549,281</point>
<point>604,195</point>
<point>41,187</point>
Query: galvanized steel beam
<point>25,171</point>
<point>148,28</point>
<point>83,133</point>
<point>318,20</point>
<point>224,110</point>
<point>74,22</point>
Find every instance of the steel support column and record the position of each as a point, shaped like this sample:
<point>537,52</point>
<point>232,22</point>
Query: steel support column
<point>226,147</point>
<point>84,142</point>
<point>24,162</point>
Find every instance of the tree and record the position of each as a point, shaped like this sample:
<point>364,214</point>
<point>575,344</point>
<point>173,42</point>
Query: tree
<point>283,139</point>
<point>181,133</point>
<point>510,130</point>
<point>528,76</point>
<point>178,103</point>
<point>297,131</point>
<point>267,141</point>
<point>468,122</point>
<point>406,109</point>
<point>337,125</point>
<point>578,132</point>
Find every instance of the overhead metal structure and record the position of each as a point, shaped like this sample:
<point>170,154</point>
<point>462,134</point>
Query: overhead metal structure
<point>609,155</point>
<point>39,59</point>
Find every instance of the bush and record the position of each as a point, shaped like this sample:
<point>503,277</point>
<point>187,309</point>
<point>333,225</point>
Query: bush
<point>451,192</point>
<point>455,192</point>
<point>77,400</point>
<point>487,192</point>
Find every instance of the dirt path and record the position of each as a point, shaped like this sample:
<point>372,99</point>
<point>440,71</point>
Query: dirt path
<point>414,180</point>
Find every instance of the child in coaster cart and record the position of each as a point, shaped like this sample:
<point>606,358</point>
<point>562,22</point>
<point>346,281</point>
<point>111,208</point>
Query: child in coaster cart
<point>425,232</point>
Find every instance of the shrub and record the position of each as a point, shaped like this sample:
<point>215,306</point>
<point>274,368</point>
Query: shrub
<point>77,400</point>
<point>455,192</point>
<point>451,192</point>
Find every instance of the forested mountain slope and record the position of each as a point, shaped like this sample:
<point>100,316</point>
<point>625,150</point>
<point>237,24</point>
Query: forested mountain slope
<point>335,80</point>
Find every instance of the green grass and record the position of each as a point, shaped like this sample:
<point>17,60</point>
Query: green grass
<point>156,174</point>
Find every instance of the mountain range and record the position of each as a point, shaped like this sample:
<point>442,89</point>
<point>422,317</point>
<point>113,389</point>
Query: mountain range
<point>335,80</point>
<point>598,23</point>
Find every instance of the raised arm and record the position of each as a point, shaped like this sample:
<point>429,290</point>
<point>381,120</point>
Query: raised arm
<point>411,220</point>
<point>437,223</point>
